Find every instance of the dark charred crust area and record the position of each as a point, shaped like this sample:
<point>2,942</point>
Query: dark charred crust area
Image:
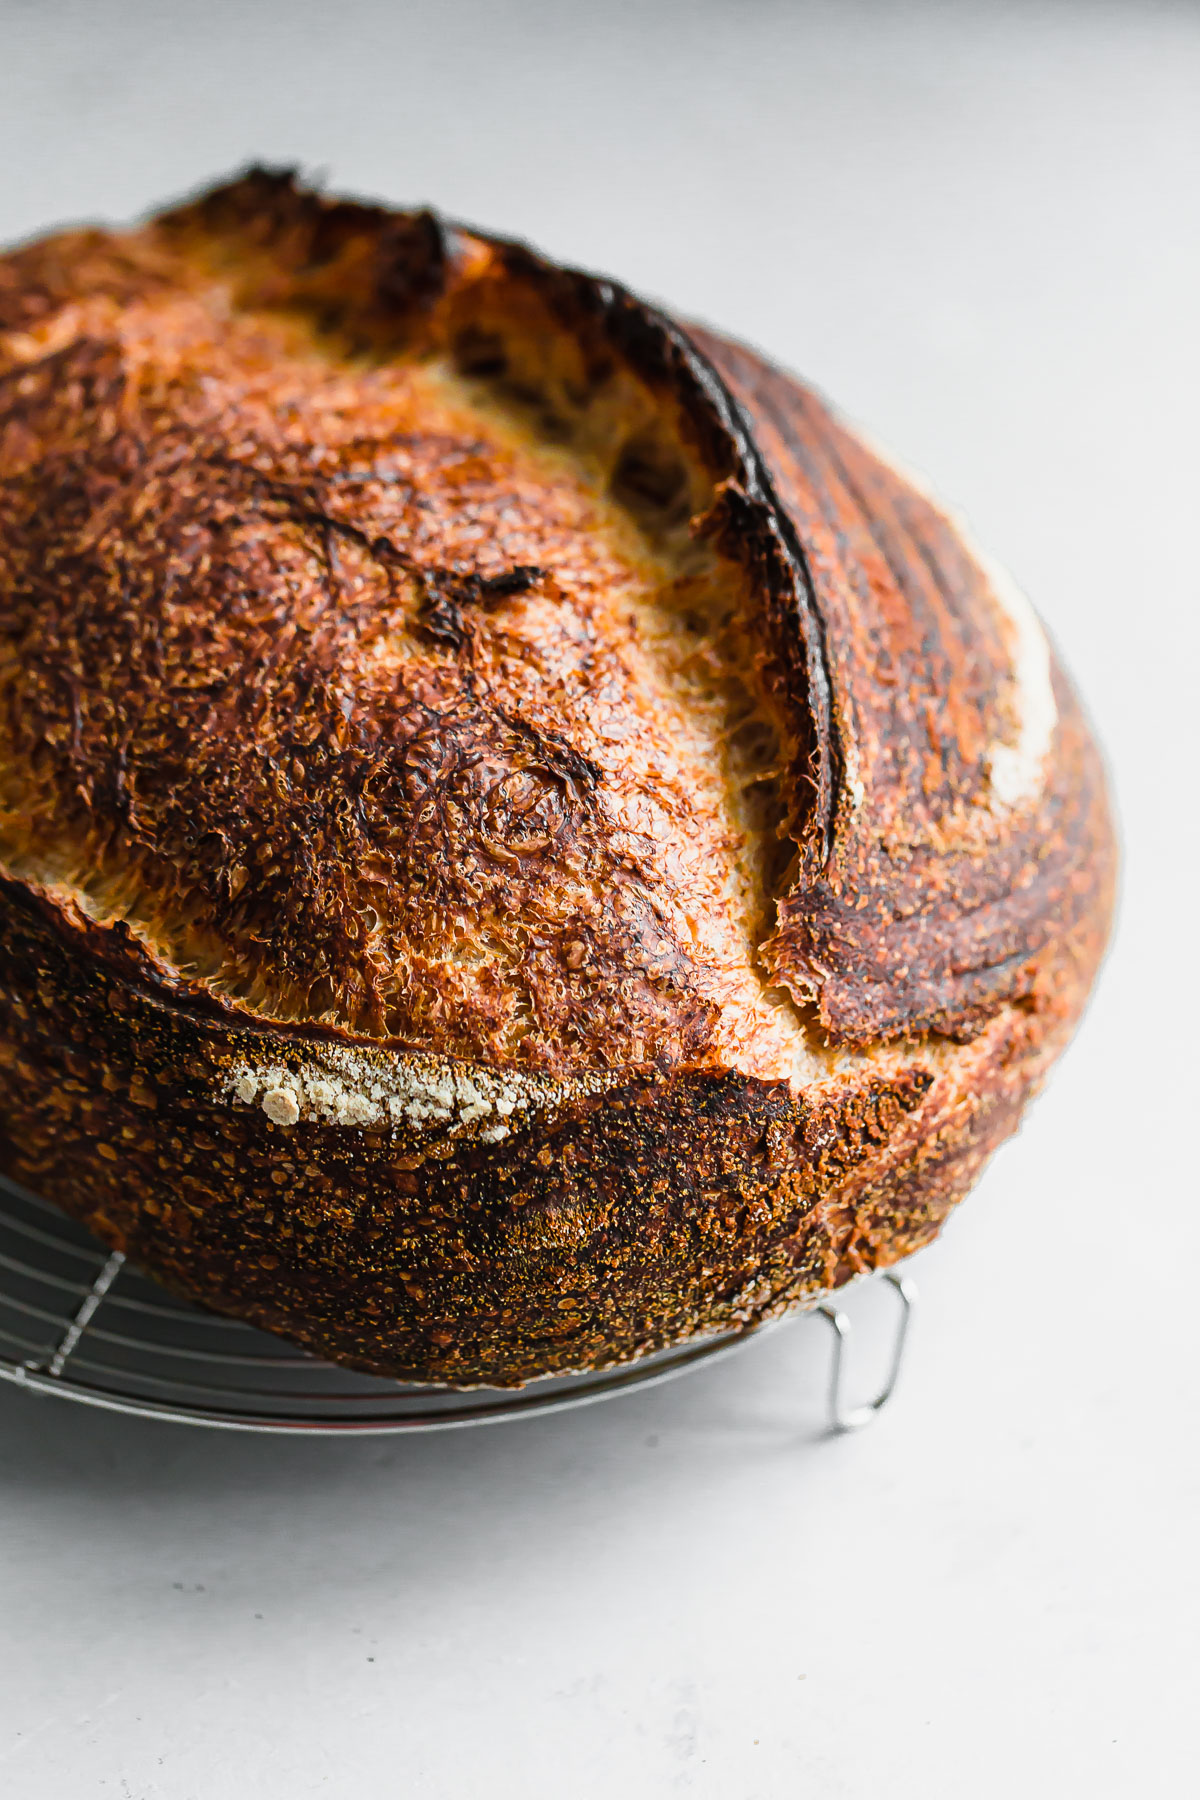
<point>665,1209</point>
<point>368,272</point>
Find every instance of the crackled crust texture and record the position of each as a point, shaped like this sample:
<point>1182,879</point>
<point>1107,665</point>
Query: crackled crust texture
<point>522,839</point>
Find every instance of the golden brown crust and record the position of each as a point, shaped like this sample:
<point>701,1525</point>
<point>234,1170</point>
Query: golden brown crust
<point>524,840</point>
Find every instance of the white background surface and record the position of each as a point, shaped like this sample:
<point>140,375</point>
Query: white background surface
<point>977,228</point>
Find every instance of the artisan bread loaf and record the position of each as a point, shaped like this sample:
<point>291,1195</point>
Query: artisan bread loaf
<point>524,840</point>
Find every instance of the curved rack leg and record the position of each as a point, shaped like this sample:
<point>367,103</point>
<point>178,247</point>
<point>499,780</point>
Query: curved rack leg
<point>853,1418</point>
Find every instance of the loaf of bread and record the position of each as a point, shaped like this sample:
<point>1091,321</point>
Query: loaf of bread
<point>523,839</point>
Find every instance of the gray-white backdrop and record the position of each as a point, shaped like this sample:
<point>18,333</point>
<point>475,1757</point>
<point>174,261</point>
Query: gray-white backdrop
<point>976,227</point>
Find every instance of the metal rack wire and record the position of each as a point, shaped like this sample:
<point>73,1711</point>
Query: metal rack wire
<point>82,1323</point>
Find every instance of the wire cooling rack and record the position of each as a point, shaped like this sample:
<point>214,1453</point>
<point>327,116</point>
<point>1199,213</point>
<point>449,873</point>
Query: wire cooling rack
<point>83,1323</point>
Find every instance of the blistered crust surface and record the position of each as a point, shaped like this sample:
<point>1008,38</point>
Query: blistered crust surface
<point>336,659</point>
<point>359,704</point>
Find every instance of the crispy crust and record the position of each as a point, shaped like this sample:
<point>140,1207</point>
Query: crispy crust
<point>524,840</point>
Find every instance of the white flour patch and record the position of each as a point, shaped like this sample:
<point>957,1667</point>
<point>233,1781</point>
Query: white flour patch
<point>1017,770</point>
<point>392,1090</point>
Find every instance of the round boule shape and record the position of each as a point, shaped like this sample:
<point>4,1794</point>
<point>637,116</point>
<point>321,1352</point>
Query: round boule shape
<point>523,839</point>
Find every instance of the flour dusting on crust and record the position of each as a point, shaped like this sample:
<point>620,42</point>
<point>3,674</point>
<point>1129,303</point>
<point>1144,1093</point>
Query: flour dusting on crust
<point>398,1090</point>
